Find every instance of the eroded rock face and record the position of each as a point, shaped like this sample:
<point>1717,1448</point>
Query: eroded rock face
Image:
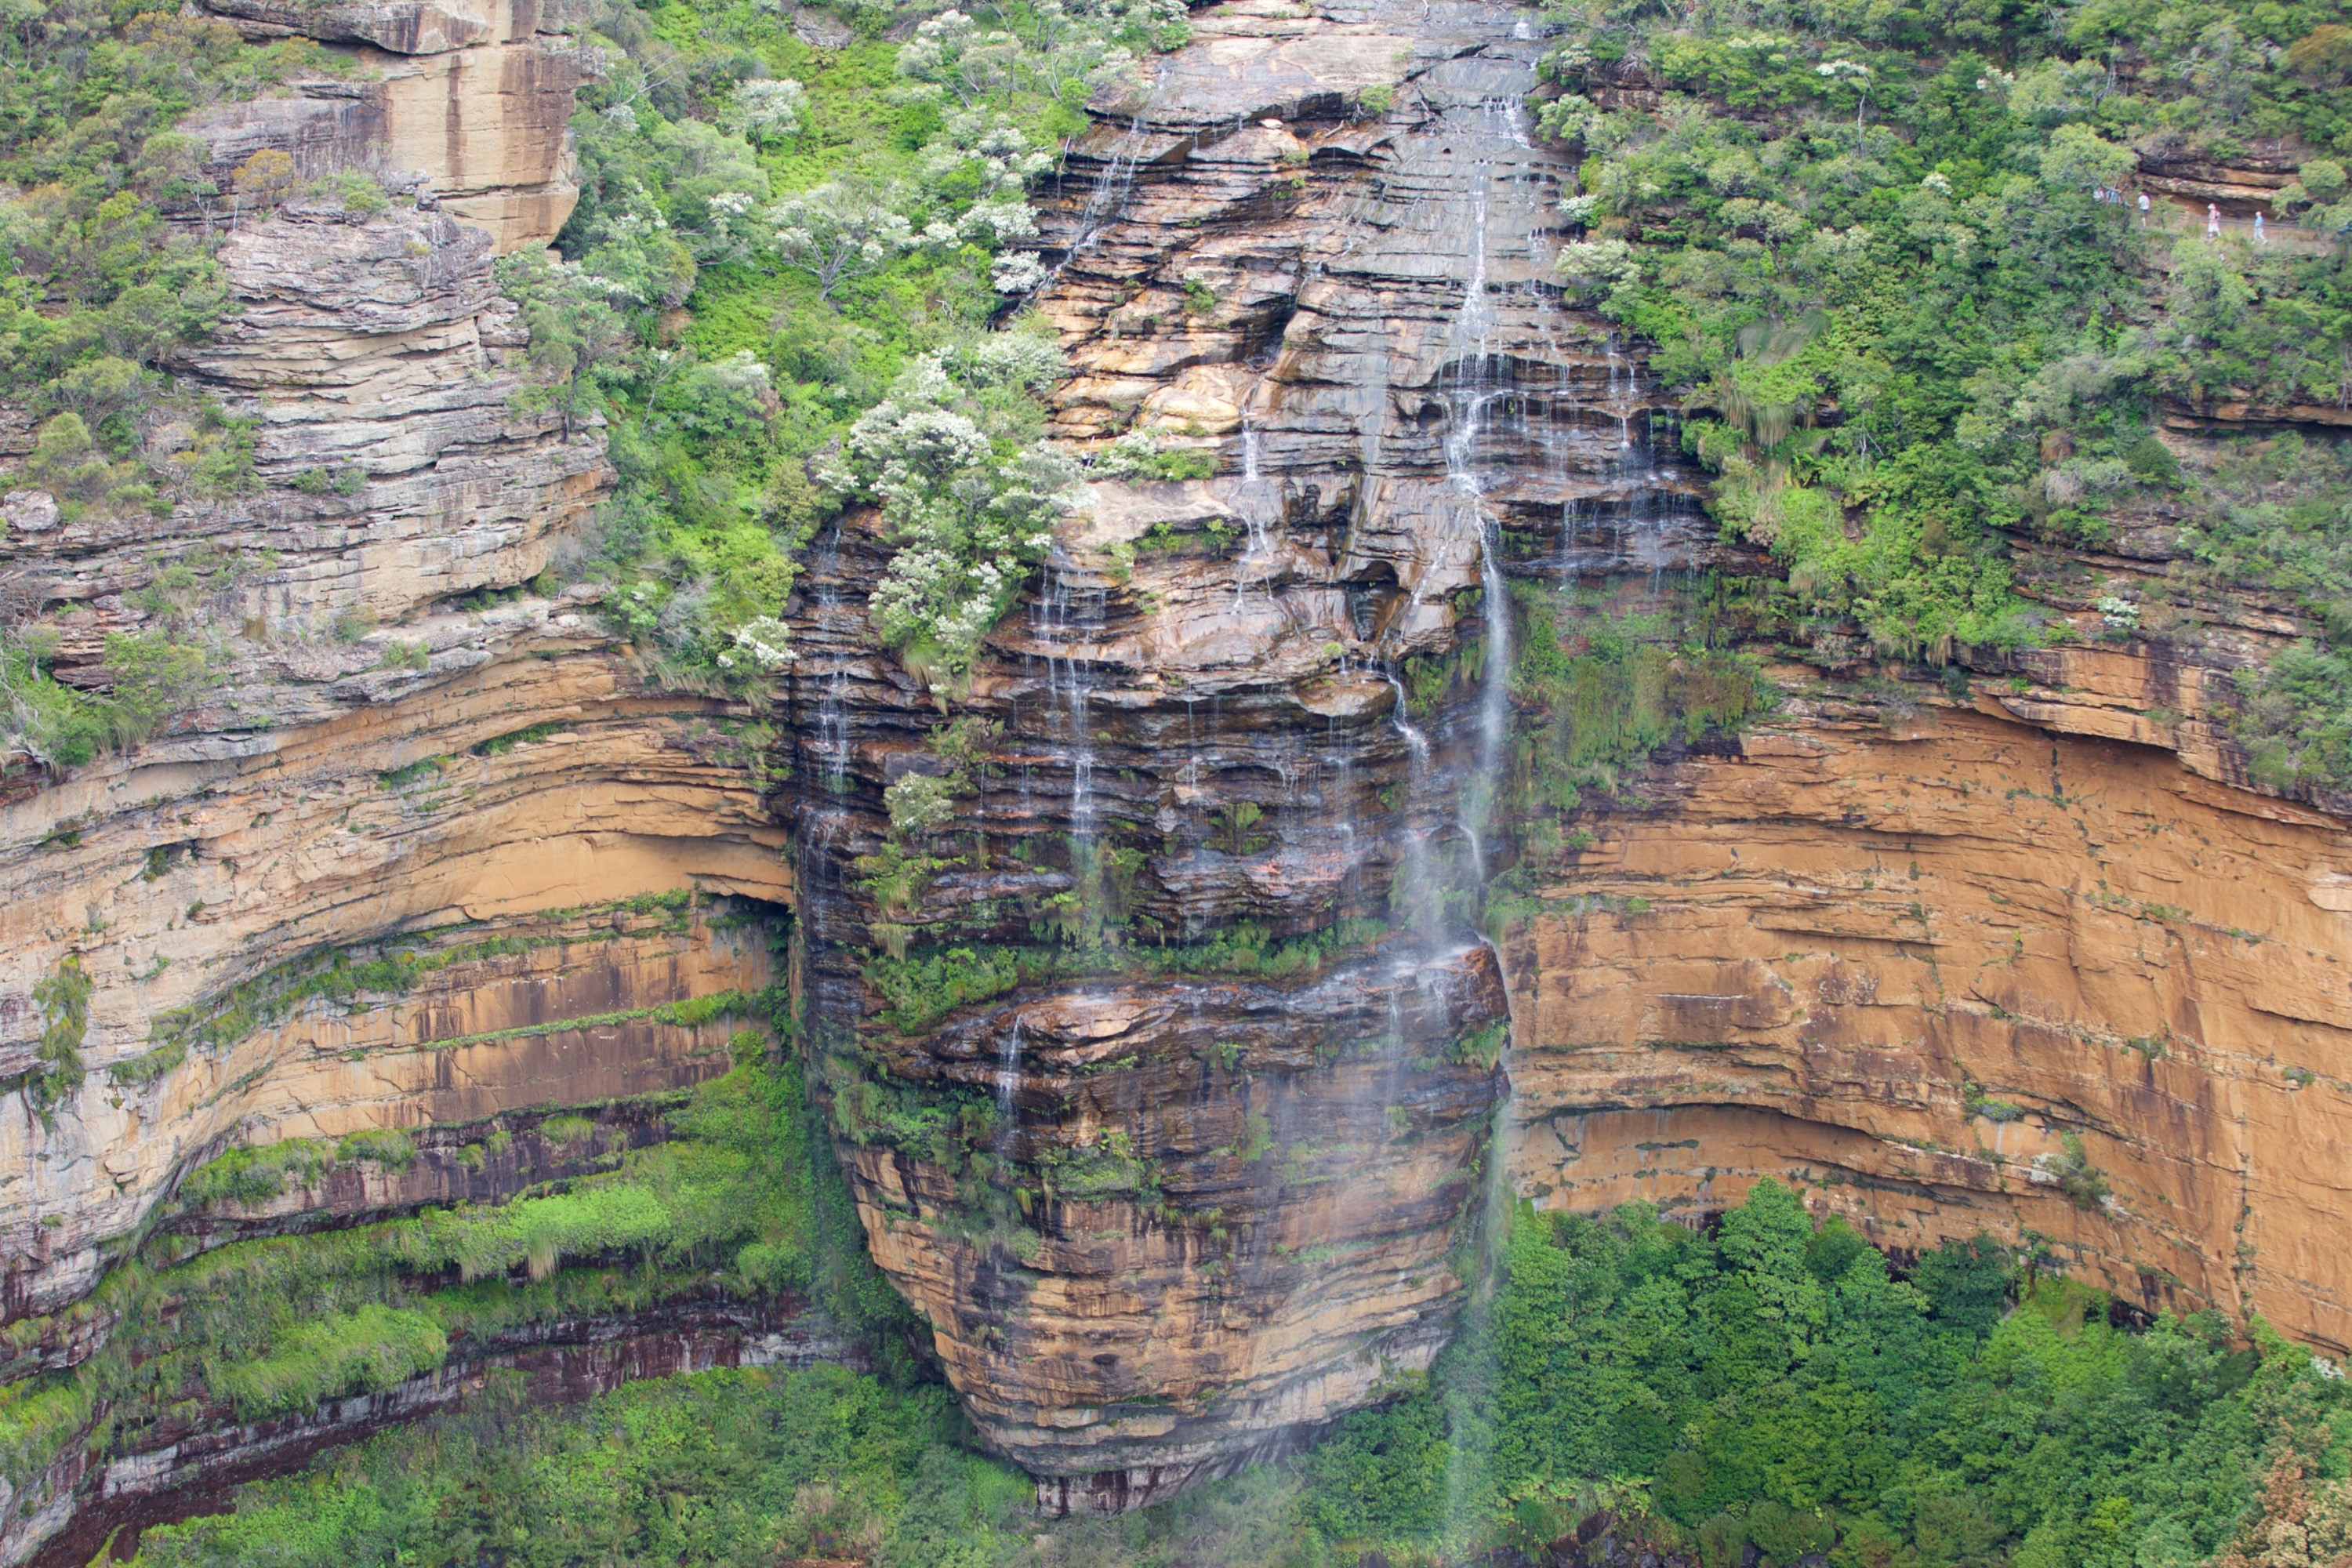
<point>470,101</point>
<point>344,785</point>
<point>559,1363</point>
<point>2035,958</point>
<point>1167,1093</point>
<point>1192,1185</point>
<point>430,853</point>
<point>1905,957</point>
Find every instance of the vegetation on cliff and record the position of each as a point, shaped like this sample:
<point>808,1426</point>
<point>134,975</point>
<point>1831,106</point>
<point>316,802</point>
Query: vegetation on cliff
<point>739,1203</point>
<point>1893,253</point>
<point>1769,1385</point>
<point>101,292</point>
<point>841,227</point>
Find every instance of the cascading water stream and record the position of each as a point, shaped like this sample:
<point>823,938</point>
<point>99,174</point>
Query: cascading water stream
<point>833,690</point>
<point>1008,1085</point>
<point>1106,203</point>
<point>1474,396</point>
<point>1069,685</point>
<point>1257,563</point>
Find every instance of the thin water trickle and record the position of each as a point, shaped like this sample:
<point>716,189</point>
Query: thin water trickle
<point>1405,726</point>
<point>1065,621</point>
<point>1474,398</point>
<point>1258,507</point>
<point>1008,1084</point>
<point>833,690</point>
<point>1106,203</point>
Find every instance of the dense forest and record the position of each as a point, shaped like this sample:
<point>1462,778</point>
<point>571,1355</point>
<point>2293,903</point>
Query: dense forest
<point>1888,255</point>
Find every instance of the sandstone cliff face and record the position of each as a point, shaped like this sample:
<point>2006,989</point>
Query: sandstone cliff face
<point>1183,1192</point>
<point>1168,1095</point>
<point>431,854</point>
<point>319,798</point>
<point>2037,959</point>
<point>1906,950</point>
<point>471,100</point>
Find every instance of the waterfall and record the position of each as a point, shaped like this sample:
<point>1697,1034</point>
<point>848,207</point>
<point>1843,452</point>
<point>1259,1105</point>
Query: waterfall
<point>1259,551</point>
<point>1473,395</point>
<point>1404,724</point>
<point>1107,201</point>
<point>1008,1084</point>
<point>1070,682</point>
<point>1068,623</point>
<point>833,690</point>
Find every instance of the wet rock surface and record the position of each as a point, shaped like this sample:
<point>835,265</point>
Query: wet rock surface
<point>1194,1184</point>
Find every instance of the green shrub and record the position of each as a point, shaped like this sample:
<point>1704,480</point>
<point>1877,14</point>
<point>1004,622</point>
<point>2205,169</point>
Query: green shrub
<point>390,1148</point>
<point>256,1173</point>
<point>565,1131</point>
<point>363,1352</point>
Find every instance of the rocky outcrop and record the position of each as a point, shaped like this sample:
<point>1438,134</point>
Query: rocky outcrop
<point>1189,1181</point>
<point>2037,959</point>
<point>1167,1074</point>
<point>1958,973</point>
<point>469,103</point>
<point>340,784</point>
<point>428,851</point>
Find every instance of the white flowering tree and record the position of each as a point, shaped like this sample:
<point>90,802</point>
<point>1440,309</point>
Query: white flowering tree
<point>842,230</point>
<point>970,508</point>
<point>772,109</point>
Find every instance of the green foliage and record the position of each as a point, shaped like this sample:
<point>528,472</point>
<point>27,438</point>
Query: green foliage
<point>1139,455</point>
<point>153,679</point>
<point>1869,242</point>
<point>2271,515</point>
<point>254,1174</point>
<point>1235,821</point>
<point>1774,1386</point>
<point>1596,694</point>
<point>275,1325</point>
<point>363,1351</point>
<point>148,1066</point>
<point>567,1130</point>
<point>967,492</point>
<point>101,291</point>
<point>531,736</point>
<point>724,1467</point>
<point>2296,722</point>
<point>919,992</point>
<point>390,1148</point>
<point>835,228</point>
<point>63,997</point>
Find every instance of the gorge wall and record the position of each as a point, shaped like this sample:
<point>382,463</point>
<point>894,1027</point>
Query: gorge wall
<point>1171,1074</point>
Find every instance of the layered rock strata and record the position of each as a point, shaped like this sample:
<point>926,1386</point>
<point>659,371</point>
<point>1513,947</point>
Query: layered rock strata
<point>2034,957</point>
<point>1164,1080</point>
<point>2037,959</point>
<point>429,852</point>
<point>468,101</point>
<point>1192,1179</point>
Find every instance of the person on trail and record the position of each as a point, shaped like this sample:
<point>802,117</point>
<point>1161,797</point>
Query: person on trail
<point>2143,209</point>
<point>2259,238</point>
<point>2212,221</point>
